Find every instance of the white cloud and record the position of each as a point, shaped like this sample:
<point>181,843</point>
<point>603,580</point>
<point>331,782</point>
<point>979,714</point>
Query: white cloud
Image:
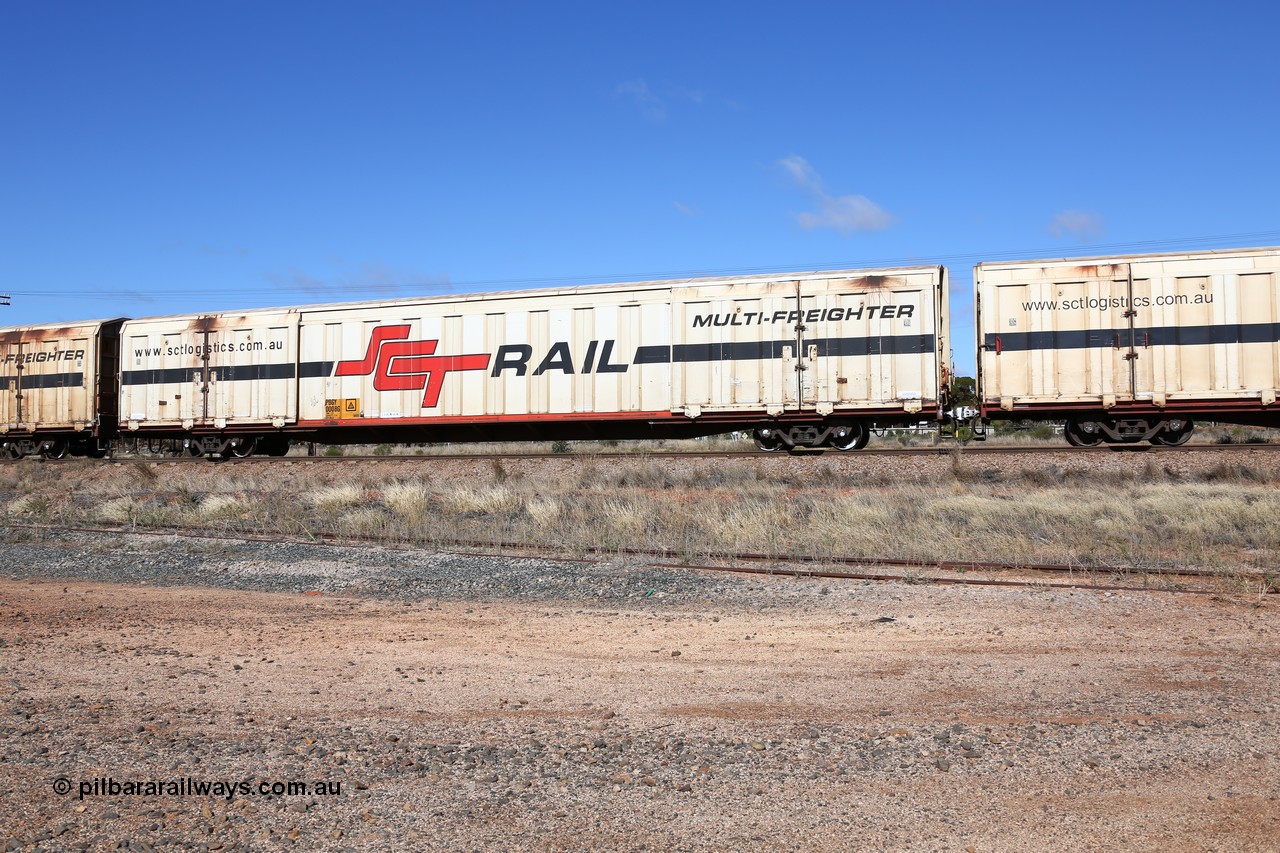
<point>846,214</point>
<point>649,104</point>
<point>687,209</point>
<point>1076,223</point>
<point>694,96</point>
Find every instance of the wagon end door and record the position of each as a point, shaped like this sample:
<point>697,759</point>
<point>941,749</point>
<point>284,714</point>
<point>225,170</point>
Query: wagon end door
<point>104,380</point>
<point>870,342</point>
<point>736,346</point>
<point>1140,376</point>
<point>10,383</point>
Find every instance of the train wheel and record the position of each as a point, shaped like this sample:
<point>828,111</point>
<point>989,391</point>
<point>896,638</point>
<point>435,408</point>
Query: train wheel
<point>13,452</point>
<point>239,448</point>
<point>767,439</point>
<point>1174,439</point>
<point>852,436</point>
<point>56,449</point>
<point>1077,437</point>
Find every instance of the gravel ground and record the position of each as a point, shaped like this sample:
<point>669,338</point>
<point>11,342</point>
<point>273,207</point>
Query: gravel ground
<point>479,703</point>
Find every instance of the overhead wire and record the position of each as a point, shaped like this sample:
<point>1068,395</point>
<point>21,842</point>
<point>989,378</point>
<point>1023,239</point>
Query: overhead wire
<point>338,292</point>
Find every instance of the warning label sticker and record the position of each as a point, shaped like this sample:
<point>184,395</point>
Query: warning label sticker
<point>347,407</point>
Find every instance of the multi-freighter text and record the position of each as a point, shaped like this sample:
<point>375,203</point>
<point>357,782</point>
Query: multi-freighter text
<point>813,315</point>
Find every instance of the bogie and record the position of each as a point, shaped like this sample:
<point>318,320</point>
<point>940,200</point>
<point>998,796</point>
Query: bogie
<point>845,435</point>
<point>1086,432</point>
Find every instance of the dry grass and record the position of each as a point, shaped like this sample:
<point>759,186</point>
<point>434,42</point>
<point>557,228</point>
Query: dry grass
<point>332,499</point>
<point>407,500</point>
<point>218,506</point>
<point>1221,518</point>
<point>33,505</point>
<point>480,501</point>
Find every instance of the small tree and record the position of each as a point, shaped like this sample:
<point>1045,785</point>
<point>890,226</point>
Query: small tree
<point>964,391</point>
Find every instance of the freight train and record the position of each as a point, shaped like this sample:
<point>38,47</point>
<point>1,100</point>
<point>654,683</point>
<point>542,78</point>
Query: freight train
<point>1120,349</point>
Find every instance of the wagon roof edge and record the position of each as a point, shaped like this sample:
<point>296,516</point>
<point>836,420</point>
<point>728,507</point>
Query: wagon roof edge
<point>1121,259</point>
<point>541,292</point>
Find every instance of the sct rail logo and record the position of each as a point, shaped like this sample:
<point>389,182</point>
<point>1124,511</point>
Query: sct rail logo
<point>404,365</point>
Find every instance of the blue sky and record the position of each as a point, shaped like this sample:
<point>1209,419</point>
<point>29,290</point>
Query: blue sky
<point>160,157</point>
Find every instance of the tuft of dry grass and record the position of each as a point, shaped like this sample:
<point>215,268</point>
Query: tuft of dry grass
<point>367,522</point>
<point>122,510</point>
<point>331,499</point>
<point>33,505</point>
<point>545,512</point>
<point>214,507</point>
<point>500,499</point>
<point>408,500</point>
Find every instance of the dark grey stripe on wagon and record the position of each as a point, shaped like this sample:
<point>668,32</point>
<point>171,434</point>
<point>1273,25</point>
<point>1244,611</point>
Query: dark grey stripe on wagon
<point>179,375</point>
<point>1143,336</point>
<point>234,373</point>
<point>759,350</point>
<point>313,369</point>
<point>43,380</point>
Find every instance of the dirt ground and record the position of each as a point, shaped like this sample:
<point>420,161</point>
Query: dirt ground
<point>800,716</point>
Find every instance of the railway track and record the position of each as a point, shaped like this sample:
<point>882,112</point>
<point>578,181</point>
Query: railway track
<point>948,450</point>
<point>879,569</point>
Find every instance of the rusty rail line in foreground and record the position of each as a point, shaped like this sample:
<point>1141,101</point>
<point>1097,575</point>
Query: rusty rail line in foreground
<point>1081,577</point>
<point>941,450</point>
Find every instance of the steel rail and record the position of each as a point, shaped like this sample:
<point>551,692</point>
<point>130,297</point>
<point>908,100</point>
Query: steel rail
<point>1267,580</point>
<point>950,450</point>
<point>942,581</point>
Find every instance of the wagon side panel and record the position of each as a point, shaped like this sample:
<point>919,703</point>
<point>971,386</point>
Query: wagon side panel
<point>47,378</point>
<point>507,358</point>
<point>1191,333</point>
<point>209,372</point>
<point>1210,331</point>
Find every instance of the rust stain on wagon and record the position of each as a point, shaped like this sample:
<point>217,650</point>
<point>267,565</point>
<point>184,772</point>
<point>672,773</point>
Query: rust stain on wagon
<point>1090,271</point>
<point>212,322</point>
<point>36,336</point>
<point>879,282</point>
